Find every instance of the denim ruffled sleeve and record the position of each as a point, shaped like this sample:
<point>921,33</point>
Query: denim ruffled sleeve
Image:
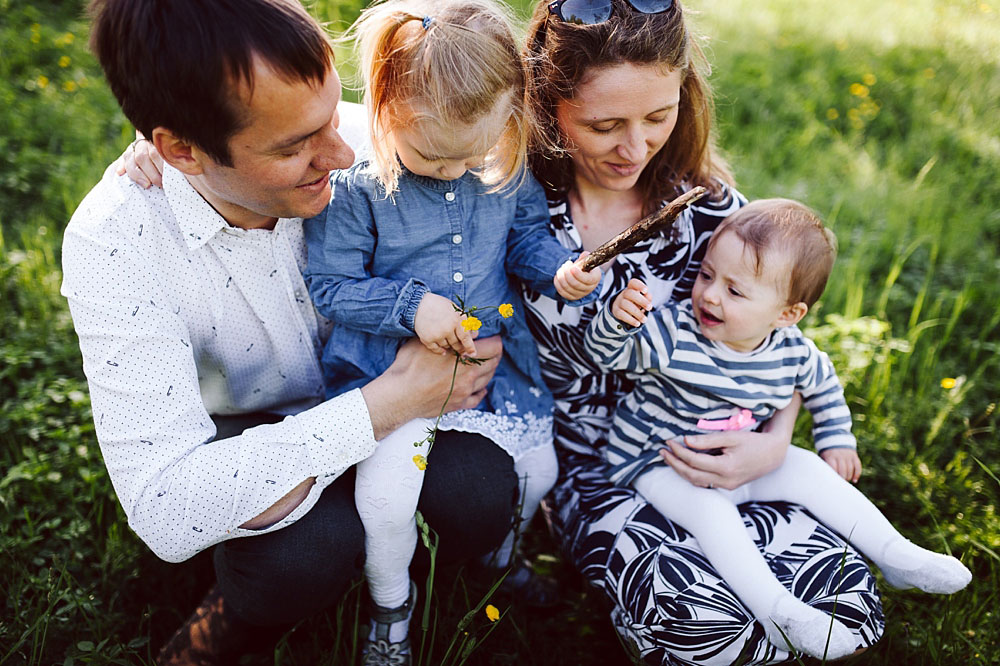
<point>341,243</point>
<point>533,253</point>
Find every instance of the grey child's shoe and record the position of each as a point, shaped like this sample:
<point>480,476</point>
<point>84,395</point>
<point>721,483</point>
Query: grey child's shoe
<point>380,651</point>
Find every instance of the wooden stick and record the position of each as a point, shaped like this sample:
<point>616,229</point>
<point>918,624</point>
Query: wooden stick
<point>645,228</point>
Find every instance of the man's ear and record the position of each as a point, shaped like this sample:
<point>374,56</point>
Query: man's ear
<point>178,153</point>
<point>792,314</point>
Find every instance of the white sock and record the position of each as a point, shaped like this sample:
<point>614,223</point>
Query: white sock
<point>808,630</point>
<point>905,564</point>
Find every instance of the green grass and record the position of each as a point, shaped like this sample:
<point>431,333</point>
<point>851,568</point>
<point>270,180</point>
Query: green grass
<point>881,116</point>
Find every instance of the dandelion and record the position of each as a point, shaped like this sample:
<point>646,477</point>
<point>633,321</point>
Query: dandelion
<point>948,383</point>
<point>832,114</point>
<point>420,461</point>
<point>859,90</point>
<point>42,81</point>
<point>492,613</point>
<point>506,310</point>
<point>471,323</point>
<point>868,79</point>
<point>69,86</point>
<point>64,61</point>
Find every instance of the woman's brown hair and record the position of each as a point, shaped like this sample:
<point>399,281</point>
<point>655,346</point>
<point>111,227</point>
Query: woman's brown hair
<point>561,54</point>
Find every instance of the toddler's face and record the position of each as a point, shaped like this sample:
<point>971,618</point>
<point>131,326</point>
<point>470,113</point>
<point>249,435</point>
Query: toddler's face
<point>733,304</point>
<point>430,148</point>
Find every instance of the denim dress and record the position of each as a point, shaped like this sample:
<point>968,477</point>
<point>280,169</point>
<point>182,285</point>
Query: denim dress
<point>373,257</point>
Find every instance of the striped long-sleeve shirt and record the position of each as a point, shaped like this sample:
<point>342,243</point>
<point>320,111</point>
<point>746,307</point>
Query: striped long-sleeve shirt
<point>682,377</point>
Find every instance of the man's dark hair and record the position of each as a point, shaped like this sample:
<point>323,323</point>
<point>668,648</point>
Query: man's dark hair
<point>177,63</point>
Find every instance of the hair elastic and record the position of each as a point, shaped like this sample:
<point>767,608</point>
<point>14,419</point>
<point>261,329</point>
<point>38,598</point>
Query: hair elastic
<point>426,22</point>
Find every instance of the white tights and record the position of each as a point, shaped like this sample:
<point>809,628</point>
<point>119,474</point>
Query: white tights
<point>386,493</point>
<point>804,478</point>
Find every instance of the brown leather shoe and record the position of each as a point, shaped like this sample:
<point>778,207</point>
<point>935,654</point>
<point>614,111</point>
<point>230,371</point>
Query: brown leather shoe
<point>214,637</point>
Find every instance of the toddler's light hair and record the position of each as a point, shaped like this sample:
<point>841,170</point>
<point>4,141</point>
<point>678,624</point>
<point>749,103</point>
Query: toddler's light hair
<point>792,229</point>
<point>454,60</point>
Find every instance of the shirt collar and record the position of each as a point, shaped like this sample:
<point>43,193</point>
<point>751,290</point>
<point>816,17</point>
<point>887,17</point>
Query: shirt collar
<point>197,220</point>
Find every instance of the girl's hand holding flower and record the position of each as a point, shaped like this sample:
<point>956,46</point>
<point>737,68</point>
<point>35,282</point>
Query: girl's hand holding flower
<point>440,327</point>
<point>572,282</point>
<point>632,304</point>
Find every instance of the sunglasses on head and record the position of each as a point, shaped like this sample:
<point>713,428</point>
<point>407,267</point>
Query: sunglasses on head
<point>589,12</point>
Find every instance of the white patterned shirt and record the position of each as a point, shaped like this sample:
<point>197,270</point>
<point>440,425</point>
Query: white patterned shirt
<point>181,316</point>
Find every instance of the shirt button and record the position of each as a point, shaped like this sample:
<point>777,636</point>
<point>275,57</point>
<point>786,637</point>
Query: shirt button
<point>456,239</point>
<point>449,196</point>
<point>457,277</point>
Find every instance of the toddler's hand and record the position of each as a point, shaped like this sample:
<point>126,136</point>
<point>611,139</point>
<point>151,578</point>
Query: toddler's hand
<point>142,163</point>
<point>844,462</point>
<point>439,326</point>
<point>572,282</point>
<point>632,304</point>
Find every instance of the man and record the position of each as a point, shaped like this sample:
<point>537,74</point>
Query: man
<point>199,341</point>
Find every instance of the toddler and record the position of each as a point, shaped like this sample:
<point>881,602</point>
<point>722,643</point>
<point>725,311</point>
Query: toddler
<point>728,359</point>
<point>439,215</point>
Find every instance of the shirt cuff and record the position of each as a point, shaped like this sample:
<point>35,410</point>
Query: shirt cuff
<point>337,433</point>
<point>412,295</point>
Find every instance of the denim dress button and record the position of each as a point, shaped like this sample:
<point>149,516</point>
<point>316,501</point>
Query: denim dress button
<point>457,277</point>
<point>449,196</point>
<point>456,239</point>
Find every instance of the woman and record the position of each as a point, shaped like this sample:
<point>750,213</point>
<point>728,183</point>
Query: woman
<point>624,118</point>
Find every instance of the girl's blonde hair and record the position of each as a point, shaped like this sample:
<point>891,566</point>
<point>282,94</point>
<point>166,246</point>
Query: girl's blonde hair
<point>454,60</point>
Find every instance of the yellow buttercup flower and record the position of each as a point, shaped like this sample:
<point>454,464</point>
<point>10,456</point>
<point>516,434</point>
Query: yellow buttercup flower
<point>64,61</point>
<point>492,613</point>
<point>506,310</point>
<point>43,81</point>
<point>859,90</point>
<point>471,323</point>
<point>69,86</point>
<point>420,461</point>
<point>948,383</point>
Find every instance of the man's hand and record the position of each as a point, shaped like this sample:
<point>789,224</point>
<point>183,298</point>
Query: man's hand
<point>844,462</point>
<point>632,304</point>
<point>439,327</point>
<point>572,282</point>
<point>417,383</point>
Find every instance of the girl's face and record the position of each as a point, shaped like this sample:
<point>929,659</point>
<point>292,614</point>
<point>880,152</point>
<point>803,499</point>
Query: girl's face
<point>620,118</point>
<point>436,150</point>
<point>734,303</point>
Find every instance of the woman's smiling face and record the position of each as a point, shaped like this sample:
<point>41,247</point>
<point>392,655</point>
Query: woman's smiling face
<point>619,119</point>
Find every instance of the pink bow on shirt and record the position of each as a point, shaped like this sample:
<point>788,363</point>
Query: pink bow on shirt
<point>737,421</point>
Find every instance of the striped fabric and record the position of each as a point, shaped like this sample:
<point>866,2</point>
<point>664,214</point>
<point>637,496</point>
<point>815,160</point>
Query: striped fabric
<point>682,377</point>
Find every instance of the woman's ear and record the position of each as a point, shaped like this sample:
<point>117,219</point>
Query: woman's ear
<point>792,314</point>
<point>177,152</point>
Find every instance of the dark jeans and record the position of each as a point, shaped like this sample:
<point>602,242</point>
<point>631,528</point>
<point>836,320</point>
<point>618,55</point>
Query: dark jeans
<point>468,498</point>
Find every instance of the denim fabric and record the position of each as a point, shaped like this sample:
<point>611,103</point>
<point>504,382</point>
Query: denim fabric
<point>372,258</point>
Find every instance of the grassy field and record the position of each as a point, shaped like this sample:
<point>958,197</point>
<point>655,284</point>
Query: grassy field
<point>882,116</point>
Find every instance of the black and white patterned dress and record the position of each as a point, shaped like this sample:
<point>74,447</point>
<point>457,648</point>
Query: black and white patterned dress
<point>668,602</point>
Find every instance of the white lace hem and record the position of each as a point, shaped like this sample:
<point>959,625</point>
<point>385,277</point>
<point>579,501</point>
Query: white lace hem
<point>517,435</point>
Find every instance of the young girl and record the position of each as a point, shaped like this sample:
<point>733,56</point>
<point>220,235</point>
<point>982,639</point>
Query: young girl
<point>725,360</point>
<point>439,216</point>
